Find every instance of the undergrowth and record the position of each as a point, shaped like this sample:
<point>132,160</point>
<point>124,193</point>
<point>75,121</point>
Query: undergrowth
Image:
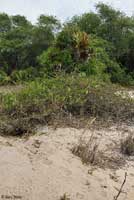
<point>46,100</point>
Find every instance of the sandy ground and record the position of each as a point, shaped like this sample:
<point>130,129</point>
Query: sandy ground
<point>10,88</point>
<point>44,168</point>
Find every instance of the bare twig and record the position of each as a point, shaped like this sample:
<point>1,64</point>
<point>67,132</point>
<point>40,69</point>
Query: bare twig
<point>90,122</point>
<point>120,190</point>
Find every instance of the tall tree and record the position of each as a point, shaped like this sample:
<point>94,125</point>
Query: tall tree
<point>5,23</point>
<point>49,22</point>
<point>19,21</point>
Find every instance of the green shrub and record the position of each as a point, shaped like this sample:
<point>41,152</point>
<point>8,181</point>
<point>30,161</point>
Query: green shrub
<point>4,79</point>
<point>93,67</point>
<point>54,60</point>
<point>57,98</point>
<point>72,94</point>
<point>116,73</point>
<point>24,75</point>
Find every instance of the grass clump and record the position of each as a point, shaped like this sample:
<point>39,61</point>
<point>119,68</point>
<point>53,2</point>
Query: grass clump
<point>87,149</point>
<point>90,151</point>
<point>64,197</point>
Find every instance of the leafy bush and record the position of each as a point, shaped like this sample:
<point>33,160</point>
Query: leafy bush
<point>54,60</point>
<point>115,72</point>
<point>4,79</point>
<point>73,94</point>
<point>24,75</point>
<point>94,68</point>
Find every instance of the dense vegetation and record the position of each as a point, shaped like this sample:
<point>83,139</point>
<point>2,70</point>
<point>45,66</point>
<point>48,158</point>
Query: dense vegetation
<point>64,100</point>
<point>95,44</point>
<point>67,70</point>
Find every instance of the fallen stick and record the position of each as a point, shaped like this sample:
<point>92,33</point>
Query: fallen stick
<point>120,191</point>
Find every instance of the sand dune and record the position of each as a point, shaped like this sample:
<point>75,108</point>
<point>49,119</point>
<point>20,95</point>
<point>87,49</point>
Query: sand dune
<point>44,168</point>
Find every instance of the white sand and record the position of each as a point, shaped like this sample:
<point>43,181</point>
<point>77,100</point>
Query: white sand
<point>44,168</point>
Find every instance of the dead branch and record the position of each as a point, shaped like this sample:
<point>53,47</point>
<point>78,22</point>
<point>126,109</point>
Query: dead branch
<point>120,190</point>
<point>90,122</point>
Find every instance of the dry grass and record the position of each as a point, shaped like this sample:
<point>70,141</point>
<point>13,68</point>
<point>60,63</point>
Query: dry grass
<point>22,126</point>
<point>103,103</point>
<point>64,197</point>
<point>90,152</point>
<point>127,145</point>
<point>87,150</point>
